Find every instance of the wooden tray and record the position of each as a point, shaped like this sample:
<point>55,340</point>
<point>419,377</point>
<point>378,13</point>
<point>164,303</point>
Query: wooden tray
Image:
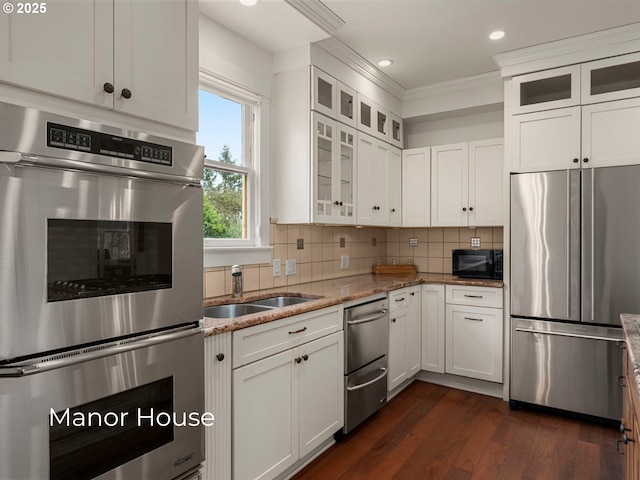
<point>394,269</point>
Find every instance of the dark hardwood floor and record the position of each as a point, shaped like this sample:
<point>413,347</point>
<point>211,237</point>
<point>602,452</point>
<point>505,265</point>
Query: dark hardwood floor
<point>434,432</point>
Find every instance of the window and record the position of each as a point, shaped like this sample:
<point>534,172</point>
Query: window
<point>235,194</point>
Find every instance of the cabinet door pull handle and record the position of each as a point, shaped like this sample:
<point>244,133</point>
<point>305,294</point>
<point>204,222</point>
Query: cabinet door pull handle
<point>620,381</point>
<point>474,296</point>
<point>400,299</point>
<point>220,357</point>
<point>298,331</point>
<point>474,319</point>
<point>126,93</point>
<point>108,87</point>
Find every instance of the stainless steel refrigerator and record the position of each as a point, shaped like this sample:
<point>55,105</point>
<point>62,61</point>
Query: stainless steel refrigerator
<point>575,267</point>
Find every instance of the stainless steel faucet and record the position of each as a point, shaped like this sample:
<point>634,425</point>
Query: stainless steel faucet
<point>236,274</point>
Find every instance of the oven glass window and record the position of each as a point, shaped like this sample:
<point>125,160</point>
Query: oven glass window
<point>93,438</point>
<point>472,263</point>
<point>90,258</point>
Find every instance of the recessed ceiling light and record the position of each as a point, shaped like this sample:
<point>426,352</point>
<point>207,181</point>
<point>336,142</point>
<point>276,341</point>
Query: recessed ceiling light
<point>497,35</point>
<point>248,3</point>
<point>384,63</point>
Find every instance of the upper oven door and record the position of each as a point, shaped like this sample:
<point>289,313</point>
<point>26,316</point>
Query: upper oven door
<point>87,257</point>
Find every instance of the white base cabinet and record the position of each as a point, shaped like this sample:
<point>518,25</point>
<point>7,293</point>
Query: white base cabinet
<point>433,328</point>
<point>289,403</point>
<point>217,400</point>
<point>404,335</point>
<point>474,332</point>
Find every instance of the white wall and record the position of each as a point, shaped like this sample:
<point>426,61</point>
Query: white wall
<point>453,129</point>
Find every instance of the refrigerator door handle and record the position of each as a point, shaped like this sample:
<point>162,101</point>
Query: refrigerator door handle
<point>568,334</point>
<point>587,234</point>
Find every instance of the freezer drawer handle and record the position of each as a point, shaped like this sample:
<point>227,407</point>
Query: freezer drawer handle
<point>474,296</point>
<point>566,334</point>
<point>370,382</point>
<point>367,319</point>
<point>298,331</point>
<point>474,319</point>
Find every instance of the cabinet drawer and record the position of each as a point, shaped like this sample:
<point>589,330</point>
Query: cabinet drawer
<point>253,343</point>
<point>398,299</point>
<point>475,296</point>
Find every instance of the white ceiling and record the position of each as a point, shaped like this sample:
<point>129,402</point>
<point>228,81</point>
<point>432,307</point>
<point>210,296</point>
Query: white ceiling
<point>430,41</point>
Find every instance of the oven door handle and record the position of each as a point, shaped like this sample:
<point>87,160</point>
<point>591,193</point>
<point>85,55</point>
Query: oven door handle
<point>72,357</point>
<point>371,318</point>
<point>370,382</point>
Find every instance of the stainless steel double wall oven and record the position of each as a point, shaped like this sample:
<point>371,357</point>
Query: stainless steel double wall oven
<point>101,358</point>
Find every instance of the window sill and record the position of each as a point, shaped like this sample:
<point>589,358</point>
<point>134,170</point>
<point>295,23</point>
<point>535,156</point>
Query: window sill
<point>241,255</point>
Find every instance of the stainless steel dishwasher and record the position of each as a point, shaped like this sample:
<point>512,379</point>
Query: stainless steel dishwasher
<point>366,343</point>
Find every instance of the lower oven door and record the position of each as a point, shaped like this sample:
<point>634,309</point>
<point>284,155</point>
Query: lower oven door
<point>86,257</point>
<point>136,411</point>
<point>366,392</point>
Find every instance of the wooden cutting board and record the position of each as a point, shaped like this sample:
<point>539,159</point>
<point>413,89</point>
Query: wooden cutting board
<point>394,269</point>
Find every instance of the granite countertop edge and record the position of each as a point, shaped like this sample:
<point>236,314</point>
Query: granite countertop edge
<point>631,327</point>
<point>327,293</point>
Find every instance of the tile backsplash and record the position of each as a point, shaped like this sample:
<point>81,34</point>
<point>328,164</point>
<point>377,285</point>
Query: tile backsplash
<point>323,247</point>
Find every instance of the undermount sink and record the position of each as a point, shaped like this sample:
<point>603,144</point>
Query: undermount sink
<point>232,310</point>
<point>283,301</point>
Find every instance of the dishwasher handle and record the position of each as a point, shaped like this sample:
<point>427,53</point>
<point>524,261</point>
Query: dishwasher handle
<point>370,382</point>
<point>371,318</point>
<point>568,334</point>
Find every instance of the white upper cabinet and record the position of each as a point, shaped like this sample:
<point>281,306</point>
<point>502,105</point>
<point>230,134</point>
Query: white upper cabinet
<point>346,102</point>
<point>612,78</point>
<point>133,57</point>
<point>466,184</point>
<point>416,187</point>
<point>366,116</point>
<point>545,90</point>
<point>396,131</point>
<point>323,94</point>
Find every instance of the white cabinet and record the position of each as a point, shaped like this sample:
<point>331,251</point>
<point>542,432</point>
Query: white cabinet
<point>139,58</point>
<point>378,122</point>
<point>466,184</point>
<point>404,335</point>
<point>609,79</point>
<point>288,391</point>
<point>546,90</point>
<point>332,98</point>
<point>217,400</point>
<point>379,198</point>
<point>433,328</point>
<point>416,187</point>
<point>474,332</point>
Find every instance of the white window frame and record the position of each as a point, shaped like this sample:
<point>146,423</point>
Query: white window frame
<point>255,248</point>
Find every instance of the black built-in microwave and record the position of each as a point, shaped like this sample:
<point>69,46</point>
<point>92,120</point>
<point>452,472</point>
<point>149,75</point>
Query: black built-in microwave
<point>477,264</point>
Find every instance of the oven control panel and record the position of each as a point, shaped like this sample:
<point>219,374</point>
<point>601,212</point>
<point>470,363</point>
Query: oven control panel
<point>99,143</point>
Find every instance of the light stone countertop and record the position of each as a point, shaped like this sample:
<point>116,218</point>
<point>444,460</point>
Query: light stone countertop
<point>631,327</point>
<point>328,293</point>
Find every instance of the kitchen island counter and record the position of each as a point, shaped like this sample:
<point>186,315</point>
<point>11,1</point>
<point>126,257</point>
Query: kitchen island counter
<point>328,293</point>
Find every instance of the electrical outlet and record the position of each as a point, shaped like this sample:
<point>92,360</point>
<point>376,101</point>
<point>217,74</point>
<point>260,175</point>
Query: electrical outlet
<point>344,262</point>
<point>277,264</point>
<point>291,266</point>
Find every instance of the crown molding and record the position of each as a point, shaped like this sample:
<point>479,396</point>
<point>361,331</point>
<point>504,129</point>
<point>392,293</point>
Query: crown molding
<point>466,83</point>
<point>610,42</point>
<point>361,65</point>
<point>319,14</point>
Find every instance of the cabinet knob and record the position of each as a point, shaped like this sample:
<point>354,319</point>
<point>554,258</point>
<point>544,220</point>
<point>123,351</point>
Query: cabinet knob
<point>471,209</point>
<point>585,160</point>
<point>576,160</point>
<point>340,203</point>
<point>298,359</point>
<point>413,294</point>
<point>464,209</point>
<point>336,202</point>
<point>305,357</point>
<point>220,357</point>
<point>126,93</point>
<point>393,210</point>
<point>108,87</point>
<point>393,320</point>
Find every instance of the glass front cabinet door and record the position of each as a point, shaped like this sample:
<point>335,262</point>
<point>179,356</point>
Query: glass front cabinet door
<point>334,163</point>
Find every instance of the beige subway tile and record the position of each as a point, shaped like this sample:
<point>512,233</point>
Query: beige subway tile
<point>305,272</point>
<point>316,252</point>
<point>327,270</point>
<point>281,234</point>
<point>436,235</point>
<point>405,235</point>
<point>280,251</point>
<point>327,252</point>
<point>292,252</point>
<point>214,283</point>
<point>436,265</point>
<point>393,250</point>
<point>393,235</point>
<point>304,255</point>
<point>498,234</point>
<point>272,233</point>
<point>421,263</point>
<point>447,249</point>
<point>436,250</point>
<point>294,279</point>
<point>498,245</point>
<point>293,233</point>
<point>466,234</point>
<point>280,281</point>
<point>451,234</point>
<point>447,266</point>
<point>316,271</point>
<point>422,250</point>
<point>405,260</point>
<point>405,250</point>
<point>336,251</point>
<point>316,233</point>
<point>266,276</point>
<point>305,233</point>
<point>422,234</point>
<point>327,234</point>
<point>485,234</point>
<point>250,279</point>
